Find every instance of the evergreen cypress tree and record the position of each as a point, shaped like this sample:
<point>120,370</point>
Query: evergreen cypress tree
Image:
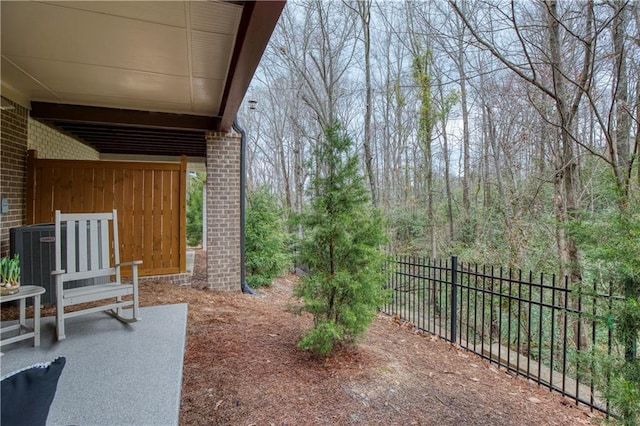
<point>344,235</point>
<point>266,239</point>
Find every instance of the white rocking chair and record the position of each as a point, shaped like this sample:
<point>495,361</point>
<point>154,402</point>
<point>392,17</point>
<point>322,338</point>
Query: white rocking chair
<point>89,239</point>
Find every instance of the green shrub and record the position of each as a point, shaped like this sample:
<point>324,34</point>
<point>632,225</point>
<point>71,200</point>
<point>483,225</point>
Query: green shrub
<point>194,208</point>
<point>265,239</point>
<point>611,243</point>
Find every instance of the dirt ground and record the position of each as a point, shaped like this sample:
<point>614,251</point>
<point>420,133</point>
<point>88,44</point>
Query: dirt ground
<point>242,367</point>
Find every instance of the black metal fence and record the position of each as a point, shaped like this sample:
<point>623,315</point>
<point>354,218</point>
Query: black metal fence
<point>535,326</point>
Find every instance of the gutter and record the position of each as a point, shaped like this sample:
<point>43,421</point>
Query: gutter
<point>243,183</point>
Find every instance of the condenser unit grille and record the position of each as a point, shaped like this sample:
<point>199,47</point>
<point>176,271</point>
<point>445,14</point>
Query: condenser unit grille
<point>35,244</point>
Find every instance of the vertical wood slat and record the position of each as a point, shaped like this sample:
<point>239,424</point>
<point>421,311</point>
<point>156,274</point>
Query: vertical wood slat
<point>108,189</point>
<point>58,235</point>
<point>108,197</point>
<point>127,245</point>
<point>147,256</point>
<point>105,252</point>
<point>75,197</point>
<point>45,200</point>
<point>138,210</point>
<point>116,244</point>
<point>71,245</point>
<point>182,212</point>
<point>174,243</point>
<point>83,264</point>
<point>156,230</point>
<point>96,242</point>
<point>64,182</point>
<point>166,220</point>
<point>87,190</point>
<point>150,197</point>
<point>118,197</point>
<point>97,190</point>
<point>32,156</point>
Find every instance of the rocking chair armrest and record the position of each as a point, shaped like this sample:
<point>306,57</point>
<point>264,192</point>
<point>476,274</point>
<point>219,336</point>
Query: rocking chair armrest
<point>58,272</point>
<point>132,263</point>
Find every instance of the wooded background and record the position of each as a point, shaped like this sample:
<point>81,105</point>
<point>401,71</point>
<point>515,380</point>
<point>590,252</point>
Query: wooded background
<point>483,127</point>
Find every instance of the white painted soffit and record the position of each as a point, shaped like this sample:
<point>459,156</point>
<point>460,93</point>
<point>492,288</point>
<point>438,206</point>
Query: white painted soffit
<point>148,55</point>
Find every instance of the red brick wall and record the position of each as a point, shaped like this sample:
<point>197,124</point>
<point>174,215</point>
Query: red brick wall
<point>13,164</point>
<point>223,211</point>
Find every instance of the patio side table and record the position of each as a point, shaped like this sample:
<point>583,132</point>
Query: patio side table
<point>24,331</point>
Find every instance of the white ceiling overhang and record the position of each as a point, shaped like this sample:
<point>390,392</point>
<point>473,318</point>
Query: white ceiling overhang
<point>187,59</point>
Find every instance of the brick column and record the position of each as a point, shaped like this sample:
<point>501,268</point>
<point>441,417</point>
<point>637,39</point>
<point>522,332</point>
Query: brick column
<point>223,211</point>
<point>13,169</point>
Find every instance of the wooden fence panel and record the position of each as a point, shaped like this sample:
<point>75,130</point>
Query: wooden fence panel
<point>150,199</point>
<point>86,180</point>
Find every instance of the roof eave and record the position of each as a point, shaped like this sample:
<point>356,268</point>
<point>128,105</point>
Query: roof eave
<point>258,21</point>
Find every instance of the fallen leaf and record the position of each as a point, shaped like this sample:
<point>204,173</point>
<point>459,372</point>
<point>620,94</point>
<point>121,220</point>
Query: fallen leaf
<point>534,400</point>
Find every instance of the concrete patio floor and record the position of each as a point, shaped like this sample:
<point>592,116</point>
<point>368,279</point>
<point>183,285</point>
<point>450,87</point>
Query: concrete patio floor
<point>116,374</point>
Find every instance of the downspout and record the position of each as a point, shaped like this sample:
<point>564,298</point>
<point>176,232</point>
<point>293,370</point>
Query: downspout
<point>243,182</point>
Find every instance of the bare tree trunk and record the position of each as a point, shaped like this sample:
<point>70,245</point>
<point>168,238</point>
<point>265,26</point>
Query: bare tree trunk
<point>425,134</point>
<point>621,158</point>
<point>285,172</point>
<point>492,143</point>
<point>466,169</point>
<point>487,196</point>
<point>364,11</point>
<point>637,143</point>
<point>635,11</point>
<point>387,158</point>
<point>567,167</point>
<point>430,213</point>
<point>447,161</point>
<point>298,172</point>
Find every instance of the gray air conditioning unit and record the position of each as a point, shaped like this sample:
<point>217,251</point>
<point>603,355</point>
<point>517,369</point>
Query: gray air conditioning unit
<point>35,244</point>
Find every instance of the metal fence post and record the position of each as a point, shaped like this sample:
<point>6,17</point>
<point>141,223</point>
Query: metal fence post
<point>454,297</point>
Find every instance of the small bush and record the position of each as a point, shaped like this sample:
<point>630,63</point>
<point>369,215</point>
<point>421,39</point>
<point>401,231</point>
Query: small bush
<point>265,239</point>
<point>610,247</point>
<point>194,209</point>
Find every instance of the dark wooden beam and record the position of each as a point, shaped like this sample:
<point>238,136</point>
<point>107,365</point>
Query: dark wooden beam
<point>128,129</point>
<point>259,19</point>
<point>150,142</point>
<point>113,132</point>
<point>119,147</point>
<point>130,151</point>
<point>121,117</point>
